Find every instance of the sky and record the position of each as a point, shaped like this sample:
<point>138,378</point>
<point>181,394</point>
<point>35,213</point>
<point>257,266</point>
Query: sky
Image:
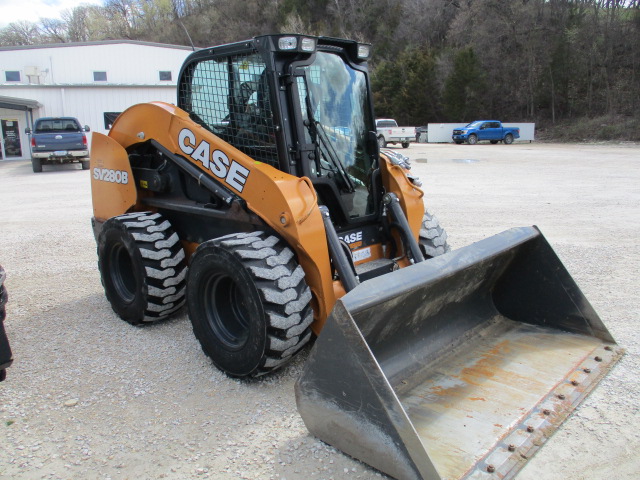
<point>33,10</point>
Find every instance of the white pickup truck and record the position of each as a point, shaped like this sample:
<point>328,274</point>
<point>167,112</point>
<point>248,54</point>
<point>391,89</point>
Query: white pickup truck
<point>388,131</point>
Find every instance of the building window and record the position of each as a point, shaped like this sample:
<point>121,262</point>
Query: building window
<point>109,118</point>
<point>12,76</point>
<point>165,76</point>
<point>99,76</point>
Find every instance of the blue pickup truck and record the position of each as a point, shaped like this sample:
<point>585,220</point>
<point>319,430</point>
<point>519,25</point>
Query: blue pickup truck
<point>491,130</point>
<point>56,140</point>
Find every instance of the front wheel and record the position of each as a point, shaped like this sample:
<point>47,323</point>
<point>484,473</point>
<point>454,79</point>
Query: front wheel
<point>36,165</point>
<point>472,140</point>
<point>248,303</point>
<point>508,139</point>
<point>433,238</point>
<point>405,144</point>
<point>382,143</point>
<point>85,164</point>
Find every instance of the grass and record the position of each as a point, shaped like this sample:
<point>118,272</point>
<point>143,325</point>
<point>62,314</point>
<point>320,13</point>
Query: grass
<point>604,128</point>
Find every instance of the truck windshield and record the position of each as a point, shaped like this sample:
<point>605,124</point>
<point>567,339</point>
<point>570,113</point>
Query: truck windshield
<point>334,103</point>
<point>57,125</point>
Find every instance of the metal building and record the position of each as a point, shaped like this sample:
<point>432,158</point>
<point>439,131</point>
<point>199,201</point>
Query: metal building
<point>93,81</point>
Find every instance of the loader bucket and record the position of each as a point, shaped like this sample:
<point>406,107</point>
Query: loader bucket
<point>458,367</point>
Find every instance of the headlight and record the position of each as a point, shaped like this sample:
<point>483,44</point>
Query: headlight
<point>364,51</point>
<point>288,43</point>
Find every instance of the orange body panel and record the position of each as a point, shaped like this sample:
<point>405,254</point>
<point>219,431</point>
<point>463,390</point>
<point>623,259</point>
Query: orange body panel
<point>286,203</point>
<point>112,187</point>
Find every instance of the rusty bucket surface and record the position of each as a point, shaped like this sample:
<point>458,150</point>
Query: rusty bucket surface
<point>459,367</point>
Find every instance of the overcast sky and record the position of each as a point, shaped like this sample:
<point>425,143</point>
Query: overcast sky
<point>33,10</point>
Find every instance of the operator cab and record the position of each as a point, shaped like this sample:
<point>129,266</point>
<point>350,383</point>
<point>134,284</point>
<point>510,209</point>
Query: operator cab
<point>300,104</point>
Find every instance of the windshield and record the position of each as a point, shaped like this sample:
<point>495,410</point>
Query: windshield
<point>334,103</point>
<point>474,124</point>
<point>57,125</point>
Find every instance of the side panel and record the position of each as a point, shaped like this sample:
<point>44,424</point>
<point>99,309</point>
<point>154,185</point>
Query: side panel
<point>112,188</point>
<point>394,179</point>
<point>286,203</point>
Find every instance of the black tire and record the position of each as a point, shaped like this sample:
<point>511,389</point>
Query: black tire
<point>405,145</point>
<point>508,139</point>
<point>248,303</point>
<point>382,143</point>
<point>85,164</point>
<point>433,238</point>
<point>472,139</point>
<point>142,267</point>
<point>493,142</point>
<point>36,165</point>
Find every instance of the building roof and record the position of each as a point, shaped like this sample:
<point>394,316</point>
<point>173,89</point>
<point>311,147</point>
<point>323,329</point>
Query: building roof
<point>90,44</point>
<point>16,103</point>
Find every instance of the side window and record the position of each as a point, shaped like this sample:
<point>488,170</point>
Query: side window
<point>209,94</point>
<point>230,97</point>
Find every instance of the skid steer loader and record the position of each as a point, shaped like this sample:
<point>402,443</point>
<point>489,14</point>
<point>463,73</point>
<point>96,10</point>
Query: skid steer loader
<point>267,179</point>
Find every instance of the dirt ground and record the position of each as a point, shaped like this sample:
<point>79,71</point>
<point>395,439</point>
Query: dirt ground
<point>90,396</point>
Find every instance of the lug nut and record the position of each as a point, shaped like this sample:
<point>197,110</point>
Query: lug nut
<point>511,448</point>
<point>608,348</point>
<point>587,370</point>
<point>598,359</point>
<point>530,429</point>
<point>561,396</point>
<point>574,383</point>
<point>546,411</point>
<point>491,468</point>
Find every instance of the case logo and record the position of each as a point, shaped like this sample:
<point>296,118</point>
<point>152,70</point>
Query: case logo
<point>216,161</point>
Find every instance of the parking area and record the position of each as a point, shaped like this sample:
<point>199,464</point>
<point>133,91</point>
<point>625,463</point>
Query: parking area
<point>90,396</point>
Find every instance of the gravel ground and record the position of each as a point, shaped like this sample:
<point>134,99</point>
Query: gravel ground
<point>90,396</point>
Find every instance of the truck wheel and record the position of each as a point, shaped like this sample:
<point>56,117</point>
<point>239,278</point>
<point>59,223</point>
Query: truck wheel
<point>36,165</point>
<point>405,145</point>
<point>382,143</point>
<point>433,238</point>
<point>142,267</point>
<point>85,164</point>
<point>472,139</point>
<point>508,139</point>
<point>248,303</point>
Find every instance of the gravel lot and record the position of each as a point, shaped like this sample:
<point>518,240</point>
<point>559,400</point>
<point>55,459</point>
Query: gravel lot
<point>90,396</point>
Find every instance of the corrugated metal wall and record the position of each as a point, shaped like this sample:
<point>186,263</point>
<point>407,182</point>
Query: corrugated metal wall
<point>61,79</point>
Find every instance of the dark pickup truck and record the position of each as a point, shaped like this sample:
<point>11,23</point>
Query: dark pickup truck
<point>56,140</point>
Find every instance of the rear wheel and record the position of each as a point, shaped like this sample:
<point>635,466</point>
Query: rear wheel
<point>508,139</point>
<point>472,140</point>
<point>433,238</point>
<point>248,303</point>
<point>405,145</point>
<point>382,143</point>
<point>36,165</point>
<point>142,267</point>
<point>85,164</point>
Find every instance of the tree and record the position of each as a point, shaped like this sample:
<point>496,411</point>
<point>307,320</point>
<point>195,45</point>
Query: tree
<point>465,89</point>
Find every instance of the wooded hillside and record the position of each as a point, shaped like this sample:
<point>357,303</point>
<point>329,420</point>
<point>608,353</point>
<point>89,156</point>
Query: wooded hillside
<point>434,60</point>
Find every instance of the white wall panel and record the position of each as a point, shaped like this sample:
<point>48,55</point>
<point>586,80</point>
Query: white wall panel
<point>125,63</point>
<point>441,132</point>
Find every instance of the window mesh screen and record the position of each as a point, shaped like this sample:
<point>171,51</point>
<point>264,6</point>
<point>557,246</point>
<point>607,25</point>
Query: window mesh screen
<point>230,97</point>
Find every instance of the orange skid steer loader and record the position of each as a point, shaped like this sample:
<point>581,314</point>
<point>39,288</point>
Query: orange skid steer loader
<point>268,182</point>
